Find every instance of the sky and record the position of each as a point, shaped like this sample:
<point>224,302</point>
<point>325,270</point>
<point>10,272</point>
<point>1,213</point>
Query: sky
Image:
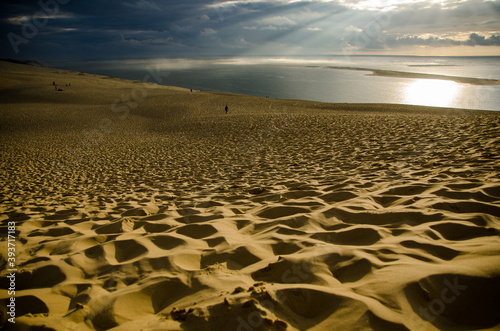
<point>90,30</point>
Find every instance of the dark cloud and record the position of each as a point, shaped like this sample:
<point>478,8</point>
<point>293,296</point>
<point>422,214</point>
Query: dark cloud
<point>473,40</point>
<point>117,29</point>
<point>476,39</point>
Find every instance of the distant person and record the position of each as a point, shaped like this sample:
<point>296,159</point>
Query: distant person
<point>226,109</point>
<point>53,83</point>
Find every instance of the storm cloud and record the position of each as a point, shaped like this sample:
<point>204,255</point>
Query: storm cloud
<point>118,29</point>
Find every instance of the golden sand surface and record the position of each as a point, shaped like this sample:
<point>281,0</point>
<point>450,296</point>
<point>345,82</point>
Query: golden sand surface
<point>144,207</point>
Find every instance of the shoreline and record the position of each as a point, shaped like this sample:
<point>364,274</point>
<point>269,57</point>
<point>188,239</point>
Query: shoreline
<point>403,74</point>
<point>469,98</point>
<point>335,105</point>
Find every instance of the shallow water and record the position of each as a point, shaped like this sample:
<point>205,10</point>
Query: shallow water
<point>299,80</point>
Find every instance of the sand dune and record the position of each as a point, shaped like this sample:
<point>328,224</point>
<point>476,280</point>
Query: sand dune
<point>144,207</point>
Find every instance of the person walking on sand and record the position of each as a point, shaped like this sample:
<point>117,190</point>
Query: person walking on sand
<point>226,109</point>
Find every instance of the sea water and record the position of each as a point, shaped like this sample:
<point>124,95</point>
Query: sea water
<point>312,79</point>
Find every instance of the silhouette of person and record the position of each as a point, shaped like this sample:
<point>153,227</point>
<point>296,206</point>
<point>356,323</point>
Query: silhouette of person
<point>226,109</point>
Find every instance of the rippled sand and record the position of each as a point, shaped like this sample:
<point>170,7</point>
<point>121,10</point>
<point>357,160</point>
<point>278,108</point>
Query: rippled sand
<point>147,207</point>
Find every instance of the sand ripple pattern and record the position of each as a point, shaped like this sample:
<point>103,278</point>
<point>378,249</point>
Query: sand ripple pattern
<point>282,215</point>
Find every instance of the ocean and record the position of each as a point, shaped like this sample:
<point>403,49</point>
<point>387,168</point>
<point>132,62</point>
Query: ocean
<point>315,79</point>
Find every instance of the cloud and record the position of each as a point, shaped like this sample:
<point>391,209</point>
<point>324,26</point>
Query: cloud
<point>157,41</point>
<point>142,4</point>
<point>419,41</point>
<point>476,39</point>
<point>207,32</point>
<point>466,16</point>
<point>277,21</point>
<point>274,23</point>
<point>473,40</point>
<point>244,42</point>
<point>270,28</point>
<point>204,18</point>
<point>81,29</point>
<point>352,28</point>
<point>39,17</point>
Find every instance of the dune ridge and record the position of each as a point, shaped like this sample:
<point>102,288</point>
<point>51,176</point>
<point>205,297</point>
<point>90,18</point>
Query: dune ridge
<point>141,206</point>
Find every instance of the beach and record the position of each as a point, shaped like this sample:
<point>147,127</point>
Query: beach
<point>138,206</point>
<point>464,83</point>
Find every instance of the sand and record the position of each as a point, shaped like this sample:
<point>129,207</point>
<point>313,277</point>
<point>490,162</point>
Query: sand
<point>416,75</point>
<point>145,207</point>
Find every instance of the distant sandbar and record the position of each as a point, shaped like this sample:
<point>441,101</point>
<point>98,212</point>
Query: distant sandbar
<point>403,74</point>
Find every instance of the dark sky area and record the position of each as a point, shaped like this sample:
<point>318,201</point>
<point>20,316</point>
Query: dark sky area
<point>77,30</point>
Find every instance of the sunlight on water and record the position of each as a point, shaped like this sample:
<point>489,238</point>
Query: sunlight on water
<point>429,92</point>
<point>311,79</point>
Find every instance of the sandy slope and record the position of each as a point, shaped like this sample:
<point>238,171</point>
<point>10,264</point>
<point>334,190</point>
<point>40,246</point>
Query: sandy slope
<point>147,207</point>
